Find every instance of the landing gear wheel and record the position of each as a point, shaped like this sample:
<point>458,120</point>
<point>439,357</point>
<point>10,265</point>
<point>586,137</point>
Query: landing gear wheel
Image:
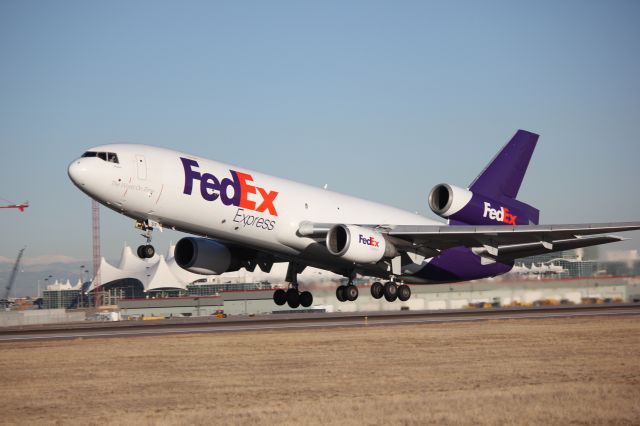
<point>351,293</point>
<point>293,298</point>
<point>340,293</point>
<point>404,293</point>
<point>149,251</point>
<point>146,251</point>
<point>280,297</point>
<point>377,290</point>
<point>306,299</point>
<point>390,291</point>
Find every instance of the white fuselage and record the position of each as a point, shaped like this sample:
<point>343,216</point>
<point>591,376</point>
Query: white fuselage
<point>199,196</point>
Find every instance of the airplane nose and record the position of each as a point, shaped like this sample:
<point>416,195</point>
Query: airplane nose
<point>76,171</point>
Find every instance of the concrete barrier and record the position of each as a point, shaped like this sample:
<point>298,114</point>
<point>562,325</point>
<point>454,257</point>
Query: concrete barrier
<point>39,316</point>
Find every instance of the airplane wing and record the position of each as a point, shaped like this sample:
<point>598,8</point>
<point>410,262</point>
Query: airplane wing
<point>509,242</point>
<point>504,243</point>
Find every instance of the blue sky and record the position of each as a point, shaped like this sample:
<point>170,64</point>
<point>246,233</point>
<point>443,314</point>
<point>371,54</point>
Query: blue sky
<point>377,99</point>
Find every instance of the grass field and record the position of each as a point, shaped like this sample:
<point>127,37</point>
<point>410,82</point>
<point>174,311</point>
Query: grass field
<point>554,371</point>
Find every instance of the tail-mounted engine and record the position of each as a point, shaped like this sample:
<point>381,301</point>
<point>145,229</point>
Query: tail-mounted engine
<point>463,206</point>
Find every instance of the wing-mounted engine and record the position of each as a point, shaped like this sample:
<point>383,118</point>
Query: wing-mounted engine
<point>466,207</point>
<point>359,244</point>
<point>205,256</point>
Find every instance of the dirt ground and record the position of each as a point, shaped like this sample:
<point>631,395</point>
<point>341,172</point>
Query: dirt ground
<point>546,372</point>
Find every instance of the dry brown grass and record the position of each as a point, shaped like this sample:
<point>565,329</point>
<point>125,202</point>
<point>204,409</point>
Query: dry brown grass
<point>557,371</point>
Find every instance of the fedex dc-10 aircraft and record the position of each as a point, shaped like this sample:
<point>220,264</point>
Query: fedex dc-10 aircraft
<point>246,219</point>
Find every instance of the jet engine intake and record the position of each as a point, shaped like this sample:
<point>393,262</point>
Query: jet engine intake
<point>446,200</point>
<point>203,256</point>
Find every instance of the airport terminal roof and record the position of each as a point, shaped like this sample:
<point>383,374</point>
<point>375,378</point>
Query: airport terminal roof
<point>163,272</point>
<point>159,272</point>
<point>59,286</point>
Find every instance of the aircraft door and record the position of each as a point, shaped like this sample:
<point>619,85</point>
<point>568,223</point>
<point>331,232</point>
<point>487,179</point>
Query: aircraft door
<point>142,167</point>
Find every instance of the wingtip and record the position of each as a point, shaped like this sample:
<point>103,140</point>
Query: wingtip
<point>618,237</point>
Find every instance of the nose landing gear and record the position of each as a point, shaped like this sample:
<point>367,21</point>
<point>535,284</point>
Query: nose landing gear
<point>145,251</point>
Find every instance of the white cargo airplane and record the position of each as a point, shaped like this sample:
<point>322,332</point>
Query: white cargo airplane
<point>247,219</point>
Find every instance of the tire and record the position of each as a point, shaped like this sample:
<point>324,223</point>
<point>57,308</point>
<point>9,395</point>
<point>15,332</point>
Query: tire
<point>390,291</point>
<point>148,251</point>
<point>306,299</point>
<point>377,290</point>
<point>141,252</point>
<point>280,297</point>
<point>340,293</point>
<point>404,293</point>
<point>351,293</point>
<point>293,298</point>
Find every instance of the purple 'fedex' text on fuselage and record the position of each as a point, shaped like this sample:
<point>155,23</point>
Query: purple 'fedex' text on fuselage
<point>211,188</point>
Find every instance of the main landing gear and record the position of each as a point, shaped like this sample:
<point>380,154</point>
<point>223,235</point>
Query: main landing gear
<point>292,296</point>
<point>391,291</point>
<point>145,251</point>
<point>347,292</point>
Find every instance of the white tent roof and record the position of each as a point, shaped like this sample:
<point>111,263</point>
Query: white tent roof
<point>131,262</point>
<point>182,274</point>
<point>160,272</point>
<point>171,251</point>
<point>154,273</point>
<point>163,277</point>
<point>58,286</point>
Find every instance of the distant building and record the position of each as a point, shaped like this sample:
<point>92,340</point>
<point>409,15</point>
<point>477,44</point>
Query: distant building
<point>209,289</point>
<point>588,253</point>
<point>62,296</point>
<point>566,264</point>
<point>580,263</point>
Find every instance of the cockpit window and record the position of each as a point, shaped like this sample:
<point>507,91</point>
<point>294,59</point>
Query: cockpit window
<point>110,157</point>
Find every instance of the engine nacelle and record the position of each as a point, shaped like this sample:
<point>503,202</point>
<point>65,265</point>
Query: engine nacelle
<point>446,200</point>
<point>203,256</point>
<point>463,206</point>
<point>359,244</point>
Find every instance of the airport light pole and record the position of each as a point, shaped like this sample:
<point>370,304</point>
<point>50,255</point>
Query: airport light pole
<point>46,280</point>
<point>81,285</point>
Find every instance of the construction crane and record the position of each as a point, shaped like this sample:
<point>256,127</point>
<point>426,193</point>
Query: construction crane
<point>21,206</point>
<point>4,301</point>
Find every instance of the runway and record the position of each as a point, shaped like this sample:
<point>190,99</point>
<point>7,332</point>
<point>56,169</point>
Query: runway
<point>299,321</point>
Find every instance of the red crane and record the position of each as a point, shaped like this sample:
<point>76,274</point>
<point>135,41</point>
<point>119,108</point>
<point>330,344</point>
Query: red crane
<point>21,207</point>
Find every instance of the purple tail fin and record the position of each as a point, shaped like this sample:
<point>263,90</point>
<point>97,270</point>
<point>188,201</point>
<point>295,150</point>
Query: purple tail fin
<point>504,174</point>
